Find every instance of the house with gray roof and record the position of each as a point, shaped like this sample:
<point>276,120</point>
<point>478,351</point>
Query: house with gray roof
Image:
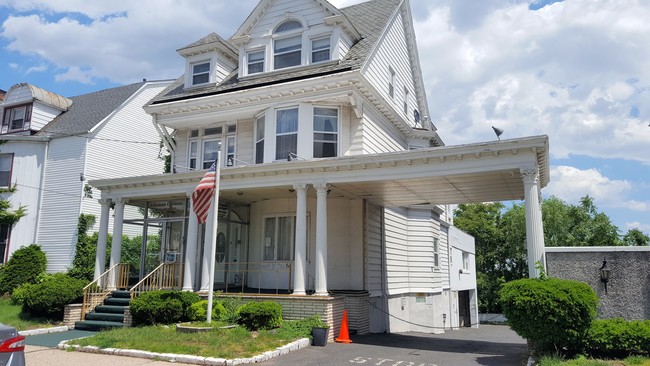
<point>53,145</point>
<point>334,185</point>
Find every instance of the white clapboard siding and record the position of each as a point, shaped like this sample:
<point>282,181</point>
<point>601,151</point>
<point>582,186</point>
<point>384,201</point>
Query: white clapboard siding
<point>301,9</point>
<point>374,257</point>
<point>378,135</point>
<point>223,68</point>
<point>392,53</point>
<point>42,114</point>
<point>424,276</point>
<point>396,238</point>
<point>60,206</point>
<point>445,255</point>
<point>245,135</point>
<point>26,175</point>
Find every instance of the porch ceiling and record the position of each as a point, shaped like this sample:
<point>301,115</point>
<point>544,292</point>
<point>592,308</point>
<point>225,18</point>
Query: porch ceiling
<point>456,174</point>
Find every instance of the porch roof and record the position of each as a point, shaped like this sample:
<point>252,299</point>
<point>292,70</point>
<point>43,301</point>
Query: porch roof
<point>479,172</point>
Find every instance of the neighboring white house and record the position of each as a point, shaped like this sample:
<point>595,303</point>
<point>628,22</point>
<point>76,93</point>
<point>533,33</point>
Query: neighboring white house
<point>334,183</point>
<point>53,144</point>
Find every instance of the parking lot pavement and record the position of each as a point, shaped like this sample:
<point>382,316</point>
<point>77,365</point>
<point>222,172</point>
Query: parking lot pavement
<point>489,345</point>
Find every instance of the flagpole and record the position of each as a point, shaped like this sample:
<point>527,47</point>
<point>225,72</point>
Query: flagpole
<point>215,218</point>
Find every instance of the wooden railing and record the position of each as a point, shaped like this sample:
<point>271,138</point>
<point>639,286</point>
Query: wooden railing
<point>97,291</point>
<point>167,276</point>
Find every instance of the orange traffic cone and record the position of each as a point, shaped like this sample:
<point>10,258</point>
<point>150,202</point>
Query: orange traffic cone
<point>344,337</point>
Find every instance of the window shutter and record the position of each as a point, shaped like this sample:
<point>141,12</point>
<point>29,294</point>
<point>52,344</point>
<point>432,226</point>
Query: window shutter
<point>5,121</point>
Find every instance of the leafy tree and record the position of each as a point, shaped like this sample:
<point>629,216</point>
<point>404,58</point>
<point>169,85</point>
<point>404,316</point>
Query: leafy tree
<point>636,237</point>
<point>83,264</point>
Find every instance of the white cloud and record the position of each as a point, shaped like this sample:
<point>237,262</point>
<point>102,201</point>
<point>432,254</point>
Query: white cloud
<point>637,225</point>
<point>39,68</point>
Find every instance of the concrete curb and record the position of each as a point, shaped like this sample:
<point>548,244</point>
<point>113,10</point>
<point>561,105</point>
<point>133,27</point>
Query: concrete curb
<point>63,328</point>
<point>195,360</point>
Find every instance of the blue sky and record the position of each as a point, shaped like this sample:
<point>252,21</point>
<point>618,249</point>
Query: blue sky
<point>577,71</point>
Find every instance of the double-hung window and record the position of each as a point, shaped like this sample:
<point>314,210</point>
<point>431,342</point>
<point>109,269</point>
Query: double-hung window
<point>16,118</point>
<point>279,233</point>
<point>326,132</point>
<point>210,148</point>
<point>436,252</point>
<point>255,62</point>
<point>465,261</point>
<point>286,133</point>
<point>201,73</point>
<point>259,140</point>
<point>287,52</point>
<point>320,49</point>
<point>6,162</point>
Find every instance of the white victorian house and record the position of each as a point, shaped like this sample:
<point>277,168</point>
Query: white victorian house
<point>52,145</point>
<point>334,185</point>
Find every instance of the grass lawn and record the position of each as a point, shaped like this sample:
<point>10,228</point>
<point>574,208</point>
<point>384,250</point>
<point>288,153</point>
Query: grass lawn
<point>630,361</point>
<point>219,343</point>
<point>11,315</point>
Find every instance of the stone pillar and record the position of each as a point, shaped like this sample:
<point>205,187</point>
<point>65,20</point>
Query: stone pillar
<point>321,239</point>
<point>300,257</point>
<point>206,276</point>
<point>190,248</point>
<point>102,239</point>
<point>534,226</point>
<point>116,245</point>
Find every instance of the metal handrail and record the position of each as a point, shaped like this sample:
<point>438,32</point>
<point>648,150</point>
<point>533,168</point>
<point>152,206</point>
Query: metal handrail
<point>243,270</point>
<point>98,290</point>
<point>165,276</point>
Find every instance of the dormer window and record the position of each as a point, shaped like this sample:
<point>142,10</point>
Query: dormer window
<point>255,62</point>
<point>16,118</point>
<point>201,73</point>
<point>287,26</point>
<point>287,52</point>
<point>320,49</point>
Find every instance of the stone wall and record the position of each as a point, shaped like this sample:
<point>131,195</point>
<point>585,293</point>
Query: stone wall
<point>628,289</point>
<point>71,314</point>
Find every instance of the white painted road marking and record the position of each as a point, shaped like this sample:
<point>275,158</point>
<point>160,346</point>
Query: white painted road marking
<point>386,362</point>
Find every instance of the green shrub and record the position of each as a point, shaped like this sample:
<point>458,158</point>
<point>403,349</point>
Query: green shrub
<point>49,297</point>
<point>231,305</point>
<point>199,311</point>
<point>552,314</point>
<point>260,315</point>
<point>20,293</point>
<point>293,329</point>
<point>618,338</point>
<point>24,266</point>
<point>162,307</point>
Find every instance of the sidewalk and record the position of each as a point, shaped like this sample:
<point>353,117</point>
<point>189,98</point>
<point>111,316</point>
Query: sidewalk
<point>37,355</point>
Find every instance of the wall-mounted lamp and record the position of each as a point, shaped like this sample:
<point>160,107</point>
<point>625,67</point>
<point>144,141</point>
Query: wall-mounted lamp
<point>82,177</point>
<point>231,161</point>
<point>604,274</point>
<point>291,156</point>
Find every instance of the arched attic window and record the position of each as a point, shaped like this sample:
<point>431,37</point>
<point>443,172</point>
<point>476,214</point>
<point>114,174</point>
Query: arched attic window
<point>287,51</point>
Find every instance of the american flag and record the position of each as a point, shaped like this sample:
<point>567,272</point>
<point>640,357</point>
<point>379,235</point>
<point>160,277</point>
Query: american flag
<point>202,195</point>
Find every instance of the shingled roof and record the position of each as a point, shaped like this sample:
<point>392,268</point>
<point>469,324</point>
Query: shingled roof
<point>88,110</point>
<point>369,18</point>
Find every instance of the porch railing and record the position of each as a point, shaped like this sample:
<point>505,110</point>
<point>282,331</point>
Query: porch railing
<point>167,276</point>
<point>97,291</point>
<point>238,275</point>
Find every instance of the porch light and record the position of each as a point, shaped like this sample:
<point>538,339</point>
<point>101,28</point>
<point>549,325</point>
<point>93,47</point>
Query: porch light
<point>231,161</point>
<point>291,156</point>
<point>604,274</point>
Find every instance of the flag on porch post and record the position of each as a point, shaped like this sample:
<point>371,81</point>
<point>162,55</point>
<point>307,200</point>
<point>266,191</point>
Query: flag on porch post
<point>202,195</point>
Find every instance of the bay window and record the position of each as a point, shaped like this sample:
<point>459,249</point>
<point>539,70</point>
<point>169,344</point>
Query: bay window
<point>203,145</point>
<point>286,133</point>
<point>259,140</point>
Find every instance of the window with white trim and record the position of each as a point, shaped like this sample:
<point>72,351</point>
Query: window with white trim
<point>209,152</point>
<point>286,133</point>
<point>255,61</point>
<point>279,238</point>
<point>259,140</point>
<point>287,52</point>
<point>5,231</point>
<point>202,146</point>
<point>391,82</point>
<point>320,49</point>
<point>200,73</point>
<point>16,118</point>
<point>465,261</point>
<point>6,164</point>
<point>193,154</point>
<point>326,121</point>
<point>436,252</point>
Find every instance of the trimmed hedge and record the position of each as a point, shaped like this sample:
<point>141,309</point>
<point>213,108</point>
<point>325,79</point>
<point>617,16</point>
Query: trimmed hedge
<point>49,297</point>
<point>618,338</point>
<point>162,307</point>
<point>260,315</point>
<point>552,314</point>
<point>24,266</point>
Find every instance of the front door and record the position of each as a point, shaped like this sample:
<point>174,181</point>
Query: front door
<point>163,243</point>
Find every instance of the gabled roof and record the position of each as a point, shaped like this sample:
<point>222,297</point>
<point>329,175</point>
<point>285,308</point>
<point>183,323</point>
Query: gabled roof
<point>369,18</point>
<point>209,43</point>
<point>88,110</point>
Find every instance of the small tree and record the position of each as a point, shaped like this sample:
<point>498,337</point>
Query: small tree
<point>24,266</point>
<point>83,264</point>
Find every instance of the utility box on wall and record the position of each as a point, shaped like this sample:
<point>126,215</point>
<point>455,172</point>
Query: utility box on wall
<point>625,294</point>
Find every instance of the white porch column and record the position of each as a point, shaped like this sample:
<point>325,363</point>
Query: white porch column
<point>300,259</point>
<point>190,247</point>
<point>102,239</point>
<point>534,226</point>
<point>207,252</point>
<point>321,239</point>
<point>116,244</point>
